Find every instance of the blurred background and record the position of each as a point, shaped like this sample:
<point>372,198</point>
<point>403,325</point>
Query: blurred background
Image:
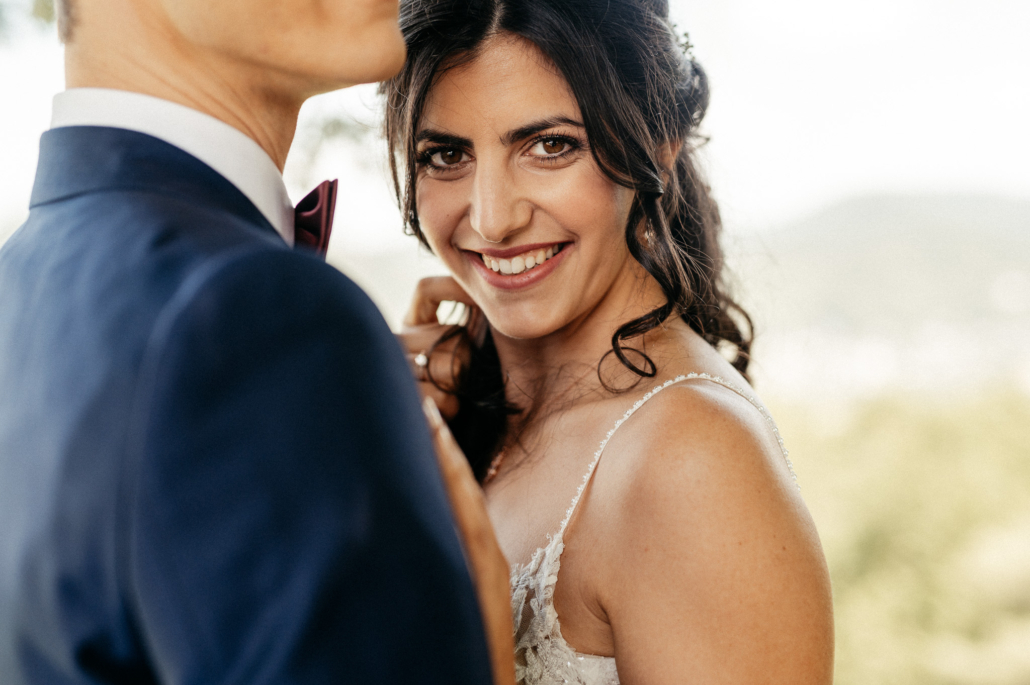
<point>871,161</point>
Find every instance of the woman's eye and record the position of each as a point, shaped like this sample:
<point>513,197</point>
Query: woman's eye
<point>550,147</point>
<point>447,157</point>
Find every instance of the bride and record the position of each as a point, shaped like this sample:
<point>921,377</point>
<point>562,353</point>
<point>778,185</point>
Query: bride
<point>545,151</point>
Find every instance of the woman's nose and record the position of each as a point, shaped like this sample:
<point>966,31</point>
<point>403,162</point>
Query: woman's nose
<point>497,210</point>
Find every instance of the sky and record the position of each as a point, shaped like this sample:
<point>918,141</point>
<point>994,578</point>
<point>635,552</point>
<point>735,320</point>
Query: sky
<point>812,102</point>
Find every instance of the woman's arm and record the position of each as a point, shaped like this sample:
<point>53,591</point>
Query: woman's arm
<point>720,576</point>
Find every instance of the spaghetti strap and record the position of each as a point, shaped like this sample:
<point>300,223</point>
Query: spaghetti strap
<point>640,403</point>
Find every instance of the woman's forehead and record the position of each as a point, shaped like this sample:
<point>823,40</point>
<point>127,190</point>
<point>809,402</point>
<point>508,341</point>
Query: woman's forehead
<point>508,83</point>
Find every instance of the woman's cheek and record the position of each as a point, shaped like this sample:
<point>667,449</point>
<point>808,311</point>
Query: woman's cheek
<point>602,200</point>
<point>582,197</point>
<point>439,212</point>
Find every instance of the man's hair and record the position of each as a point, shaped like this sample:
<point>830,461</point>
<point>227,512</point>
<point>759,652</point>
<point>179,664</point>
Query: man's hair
<point>65,11</point>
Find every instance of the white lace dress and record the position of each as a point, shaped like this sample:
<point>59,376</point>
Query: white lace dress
<point>542,657</point>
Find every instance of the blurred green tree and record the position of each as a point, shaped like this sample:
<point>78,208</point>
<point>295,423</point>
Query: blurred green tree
<point>42,10</point>
<point>923,506</point>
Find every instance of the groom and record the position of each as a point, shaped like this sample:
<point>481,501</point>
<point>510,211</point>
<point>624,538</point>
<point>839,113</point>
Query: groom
<point>213,467</point>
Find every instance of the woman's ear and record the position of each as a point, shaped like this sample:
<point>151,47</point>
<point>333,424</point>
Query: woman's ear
<point>669,151</point>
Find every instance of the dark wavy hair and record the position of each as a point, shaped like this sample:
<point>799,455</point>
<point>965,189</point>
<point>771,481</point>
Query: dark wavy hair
<point>642,98</point>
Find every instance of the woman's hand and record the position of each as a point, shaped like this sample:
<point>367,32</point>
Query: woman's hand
<point>486,562</point>
<point>421,332</point>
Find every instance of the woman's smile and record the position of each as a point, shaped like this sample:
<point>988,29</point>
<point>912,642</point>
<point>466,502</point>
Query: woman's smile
<point>518,267</point>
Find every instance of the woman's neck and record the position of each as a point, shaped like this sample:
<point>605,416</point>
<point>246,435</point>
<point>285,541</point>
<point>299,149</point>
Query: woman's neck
<point>561,368</point>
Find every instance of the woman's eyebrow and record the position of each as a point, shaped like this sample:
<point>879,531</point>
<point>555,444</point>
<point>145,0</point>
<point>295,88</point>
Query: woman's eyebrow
<point>441,138</point>
<point>523,132</point>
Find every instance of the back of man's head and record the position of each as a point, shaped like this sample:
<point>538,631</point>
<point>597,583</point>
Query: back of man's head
<point>250,63</point>
<point>328,44</point>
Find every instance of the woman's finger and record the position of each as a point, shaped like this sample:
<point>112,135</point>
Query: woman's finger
<point>447,403</point>
<point>429,293</point>
<point>427,356</point>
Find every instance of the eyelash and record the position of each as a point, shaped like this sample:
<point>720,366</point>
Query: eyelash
<point>424,159</point>
<point>573,143</point>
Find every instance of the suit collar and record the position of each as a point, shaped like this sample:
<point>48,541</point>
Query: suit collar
<point>77,160</point>
<point>225,149</point>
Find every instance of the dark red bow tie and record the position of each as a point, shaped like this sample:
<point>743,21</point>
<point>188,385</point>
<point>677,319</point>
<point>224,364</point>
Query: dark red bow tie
<point>313,217</point>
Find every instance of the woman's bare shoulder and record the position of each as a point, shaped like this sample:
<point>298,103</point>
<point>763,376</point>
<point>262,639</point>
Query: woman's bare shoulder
<point>712,545</point>
<point>699,427</point>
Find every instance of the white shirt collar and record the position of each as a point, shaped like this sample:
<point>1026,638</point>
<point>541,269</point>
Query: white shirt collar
<point>225,149</point>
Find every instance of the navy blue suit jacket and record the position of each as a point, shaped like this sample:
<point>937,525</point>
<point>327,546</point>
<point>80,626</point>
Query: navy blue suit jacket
<point>213,464</point>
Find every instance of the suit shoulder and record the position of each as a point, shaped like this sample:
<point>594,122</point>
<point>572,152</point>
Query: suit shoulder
<point>259,284</point>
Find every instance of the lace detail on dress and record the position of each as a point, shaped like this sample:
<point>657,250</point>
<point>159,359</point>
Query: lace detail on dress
<point>542,656</point>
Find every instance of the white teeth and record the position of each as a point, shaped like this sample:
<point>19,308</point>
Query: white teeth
<point>522,263</point>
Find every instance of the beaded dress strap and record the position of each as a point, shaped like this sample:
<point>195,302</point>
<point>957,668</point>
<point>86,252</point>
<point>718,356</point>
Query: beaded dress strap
<point>639,403</point>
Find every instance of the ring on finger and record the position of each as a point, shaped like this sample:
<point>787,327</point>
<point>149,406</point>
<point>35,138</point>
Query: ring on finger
<point>421,361</point>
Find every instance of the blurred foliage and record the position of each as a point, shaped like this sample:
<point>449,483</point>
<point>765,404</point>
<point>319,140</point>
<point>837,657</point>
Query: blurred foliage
<point>924,511</point>
<point>42,10</point>
<point>347,128</point>
<point>320,134</point>
<point>316,134</point>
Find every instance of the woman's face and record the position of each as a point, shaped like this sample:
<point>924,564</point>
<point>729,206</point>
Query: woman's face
<point>510,198</point>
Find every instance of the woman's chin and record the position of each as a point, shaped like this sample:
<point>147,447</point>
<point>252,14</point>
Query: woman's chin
<point>519,328</point>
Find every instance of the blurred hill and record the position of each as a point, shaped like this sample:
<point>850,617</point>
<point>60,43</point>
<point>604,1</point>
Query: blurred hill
<point>890,263</point>
<point>928,292</point>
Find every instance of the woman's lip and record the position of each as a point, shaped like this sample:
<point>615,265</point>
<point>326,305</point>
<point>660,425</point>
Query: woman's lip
<point>517,281</point>
<point>515,251</point>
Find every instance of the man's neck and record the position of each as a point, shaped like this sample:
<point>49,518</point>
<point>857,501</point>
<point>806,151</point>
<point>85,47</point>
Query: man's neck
<point>241,95</point>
